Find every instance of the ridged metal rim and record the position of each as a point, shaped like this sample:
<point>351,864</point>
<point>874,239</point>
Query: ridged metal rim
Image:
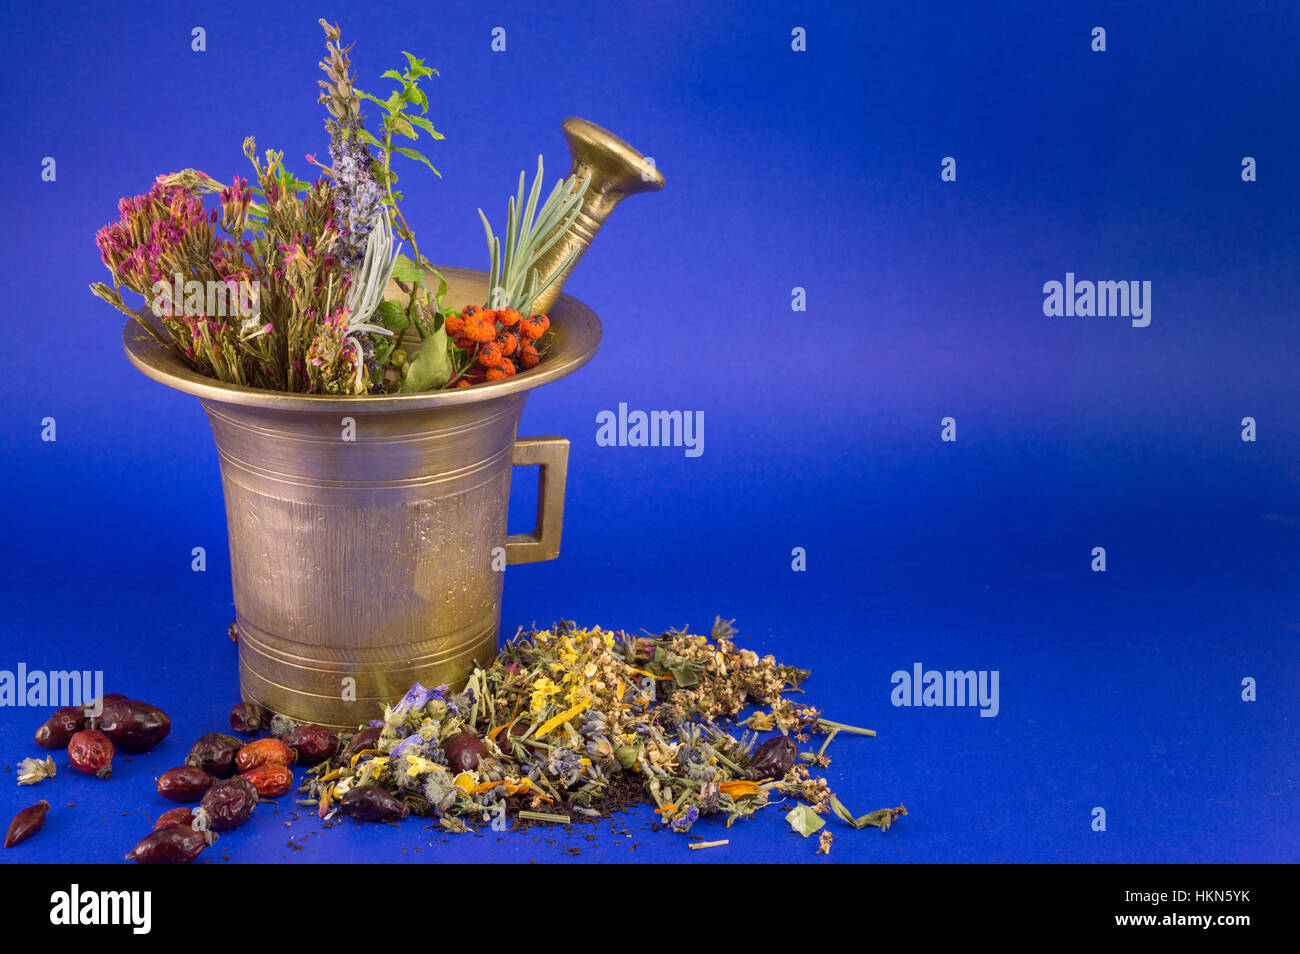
<point>575,332</point>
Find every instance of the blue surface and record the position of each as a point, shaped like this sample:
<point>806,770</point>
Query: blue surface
<point>818,169</point>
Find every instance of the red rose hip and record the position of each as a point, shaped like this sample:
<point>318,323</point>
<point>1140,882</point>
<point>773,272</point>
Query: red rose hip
<point>185,783</point>
<point>174,816</point>
<point>463,751</point>
<point>215,754</point>
<point>91,751</point>
<point>60,727</point>
<point>312,743</point>
<point>230,803</point>
<point>271,780</point>
<point>26,823</point>
<point>134,726</point>
<point>175,845</point>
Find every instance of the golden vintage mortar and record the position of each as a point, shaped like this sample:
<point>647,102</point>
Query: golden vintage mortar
<point>371,559</point>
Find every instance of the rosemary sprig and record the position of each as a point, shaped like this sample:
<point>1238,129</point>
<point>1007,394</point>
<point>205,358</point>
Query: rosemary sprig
<point>513,272</point>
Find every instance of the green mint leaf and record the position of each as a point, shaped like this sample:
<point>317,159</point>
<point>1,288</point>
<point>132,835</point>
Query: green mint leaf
<point>425,125</point>
<point>442,290</point>
<point>412,154</point>
<point>414,94</point>
<point>392,317</point>
<point>399,125</point>
<point>405,270</point>
<point>376,99</point>
<point>418,69</point>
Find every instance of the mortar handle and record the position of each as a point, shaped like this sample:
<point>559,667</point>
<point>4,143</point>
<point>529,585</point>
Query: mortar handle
<point>551,454</point>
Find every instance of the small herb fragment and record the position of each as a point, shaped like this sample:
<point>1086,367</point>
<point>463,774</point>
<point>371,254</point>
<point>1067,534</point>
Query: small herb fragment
<point>804,820</point>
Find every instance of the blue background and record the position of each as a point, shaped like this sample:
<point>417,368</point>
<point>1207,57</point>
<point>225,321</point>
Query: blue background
<point>817,169</point>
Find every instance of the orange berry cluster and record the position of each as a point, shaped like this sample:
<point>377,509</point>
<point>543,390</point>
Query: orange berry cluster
<point>501,341</point>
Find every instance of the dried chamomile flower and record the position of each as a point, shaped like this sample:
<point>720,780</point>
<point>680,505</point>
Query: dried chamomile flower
<point>31,771</point>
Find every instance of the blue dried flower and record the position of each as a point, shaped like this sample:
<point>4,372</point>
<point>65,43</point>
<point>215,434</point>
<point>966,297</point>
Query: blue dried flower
<point>417,697</point>
<point>411,745</point>
<point>685,820</point>
<point>565,765</point>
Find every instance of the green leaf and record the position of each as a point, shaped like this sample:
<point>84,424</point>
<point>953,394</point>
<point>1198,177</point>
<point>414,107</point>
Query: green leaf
<point>843,813</point>
<point>405,270</point>
<point>394,75</point>
<point>376,99</point>
<point>392,317</point>
<point>398,124</point>
<point>685,677</point>
<point>418,69</point>
<point>881,819</point>
<point>413,94</point>
<point>426,126</point>
<point>804,820</point>
<point>436,297</point>
<point>412,154</point>
<point>431,367</point>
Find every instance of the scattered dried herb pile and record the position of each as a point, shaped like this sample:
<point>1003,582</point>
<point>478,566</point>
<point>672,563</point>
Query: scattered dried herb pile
<point>563,721</point>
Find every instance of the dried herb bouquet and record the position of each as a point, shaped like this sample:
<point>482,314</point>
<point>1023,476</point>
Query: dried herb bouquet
<point>288,286</point>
